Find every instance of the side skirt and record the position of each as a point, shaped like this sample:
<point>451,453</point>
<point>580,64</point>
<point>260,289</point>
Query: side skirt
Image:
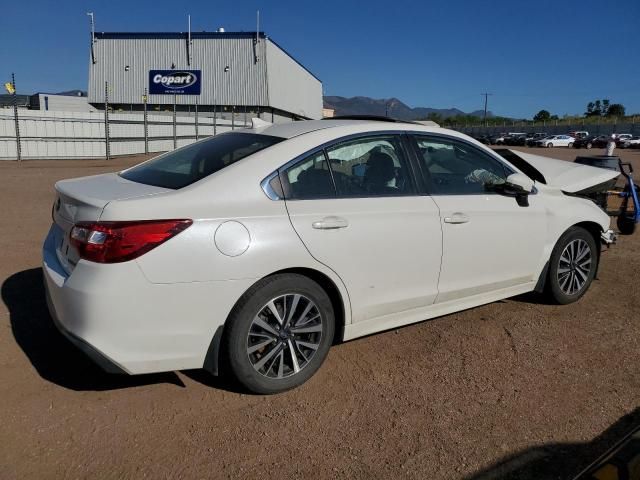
<point>395,320</point>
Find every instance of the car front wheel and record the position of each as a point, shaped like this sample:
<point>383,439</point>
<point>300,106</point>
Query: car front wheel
<point>549,145</point>
<point>573,266</point>
<point>570,144</point>
<point>278,334</point>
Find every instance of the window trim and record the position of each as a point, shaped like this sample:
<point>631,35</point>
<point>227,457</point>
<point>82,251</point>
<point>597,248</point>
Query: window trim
<point>426,175</point>
<point>415,178</point>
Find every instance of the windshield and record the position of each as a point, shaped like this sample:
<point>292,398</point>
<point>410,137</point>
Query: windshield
<point>194,162</point>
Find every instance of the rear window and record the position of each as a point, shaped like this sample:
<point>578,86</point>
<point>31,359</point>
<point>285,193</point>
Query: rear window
<point>194,162</point>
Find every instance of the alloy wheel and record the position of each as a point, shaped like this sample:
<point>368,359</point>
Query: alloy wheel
<point>284,336</point>
<point>574,266</point>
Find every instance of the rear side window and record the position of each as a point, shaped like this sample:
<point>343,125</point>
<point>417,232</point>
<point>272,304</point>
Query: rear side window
<point>370,167</point>
<point>194,162</point>
<point>309,179</point>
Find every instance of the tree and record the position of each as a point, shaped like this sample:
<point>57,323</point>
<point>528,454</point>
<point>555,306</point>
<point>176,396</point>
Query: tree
<point>542,116</point>
<point>616,110</point>
<point>604,108</point>
<point>597,109</point>
<point>435,117</point>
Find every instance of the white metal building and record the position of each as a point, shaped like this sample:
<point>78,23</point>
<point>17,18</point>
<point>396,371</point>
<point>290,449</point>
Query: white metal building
<point>215,71</point>
<point>51,102</point>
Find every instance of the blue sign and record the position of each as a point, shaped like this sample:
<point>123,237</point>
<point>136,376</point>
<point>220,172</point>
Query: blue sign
<point>181,82</point>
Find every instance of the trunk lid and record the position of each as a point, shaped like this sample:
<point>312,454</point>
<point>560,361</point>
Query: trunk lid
<point>83,200</point>
<point>567,176</point>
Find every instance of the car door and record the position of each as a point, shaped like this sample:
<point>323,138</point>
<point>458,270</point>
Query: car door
<point>358,210</point>
<point>490,242</point>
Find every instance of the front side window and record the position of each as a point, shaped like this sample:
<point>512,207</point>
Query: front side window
<point>455,168</point>
<point>372,166</point>
<point>194,162</point>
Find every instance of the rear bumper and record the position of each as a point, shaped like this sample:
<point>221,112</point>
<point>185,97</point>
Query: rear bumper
<point>126,323</point>
<point>100,359</point>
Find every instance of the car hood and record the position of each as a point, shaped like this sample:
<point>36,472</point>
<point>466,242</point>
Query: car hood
<point>567,176</point>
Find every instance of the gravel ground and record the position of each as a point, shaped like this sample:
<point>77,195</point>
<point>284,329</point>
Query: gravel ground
<point>516,388</point>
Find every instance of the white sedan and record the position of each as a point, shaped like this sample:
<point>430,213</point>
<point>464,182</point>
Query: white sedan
<point>253,251</point>
<point>557,141</point>
<point>632,142</point>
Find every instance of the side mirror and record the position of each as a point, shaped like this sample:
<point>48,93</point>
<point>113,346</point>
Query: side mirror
<point>519,183</point>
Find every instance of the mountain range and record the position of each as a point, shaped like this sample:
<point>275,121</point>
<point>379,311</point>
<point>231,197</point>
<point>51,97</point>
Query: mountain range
<point>391,107</point>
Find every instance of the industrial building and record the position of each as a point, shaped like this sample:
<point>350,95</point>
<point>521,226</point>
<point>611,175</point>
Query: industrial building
<point>56,102</point>
<point>213,72</point>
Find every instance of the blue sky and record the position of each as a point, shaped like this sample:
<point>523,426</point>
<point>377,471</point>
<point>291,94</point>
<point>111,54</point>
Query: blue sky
<point>556,55</point>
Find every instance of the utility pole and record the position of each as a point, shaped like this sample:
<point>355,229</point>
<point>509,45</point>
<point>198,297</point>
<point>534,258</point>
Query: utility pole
<point>14,97</point>
<point>107,136</point>
<point>146,122</point>
<point>486,97</point>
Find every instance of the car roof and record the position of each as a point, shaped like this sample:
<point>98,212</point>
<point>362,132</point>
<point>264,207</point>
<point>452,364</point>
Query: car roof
<point>294,129</point>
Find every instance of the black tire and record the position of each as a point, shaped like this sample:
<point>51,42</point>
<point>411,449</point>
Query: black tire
<point>549,145</point>
<point>589,145</point>
<point>235,344</point>
<point>555,288</point>
<point>570,144</point>
<point>626,225</point>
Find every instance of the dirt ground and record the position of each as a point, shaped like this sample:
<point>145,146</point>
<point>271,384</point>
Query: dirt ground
<point>516,388</point>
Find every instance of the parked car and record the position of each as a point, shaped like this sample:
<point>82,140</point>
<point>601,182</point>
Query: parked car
<point>633,142</point>
<point>586,142</point>
<point>482,139</point>
<point>556,141</point>
<point>601,141</point>
<point>497,139</point>
<point>579,134</point>
<point>533,138</point>
<point>519,140</point>
<point>255,250</point>
<point>622,137</point>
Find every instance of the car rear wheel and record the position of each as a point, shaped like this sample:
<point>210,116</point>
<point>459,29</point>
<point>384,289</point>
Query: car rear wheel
<point>570,144</point>
<point>278,334</point>
<point>572,266</point>
<point>589,145</point>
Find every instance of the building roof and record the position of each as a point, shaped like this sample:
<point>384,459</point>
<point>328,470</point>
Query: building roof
<point>6,100</point>
<point>197,36</point>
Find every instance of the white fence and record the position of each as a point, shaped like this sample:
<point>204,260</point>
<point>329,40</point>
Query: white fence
<point>82,134</point>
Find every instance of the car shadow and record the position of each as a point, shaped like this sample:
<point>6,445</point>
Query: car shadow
<point>54,357</point>
<point>531,297</point>
<point>219,382</point>
<point>561,460</point>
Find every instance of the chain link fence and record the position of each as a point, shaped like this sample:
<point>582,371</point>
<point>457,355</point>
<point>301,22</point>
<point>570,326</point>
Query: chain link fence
<point>553,127</point>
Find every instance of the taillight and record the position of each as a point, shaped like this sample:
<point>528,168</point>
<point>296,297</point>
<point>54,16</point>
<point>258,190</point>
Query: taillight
<point>113,242</point>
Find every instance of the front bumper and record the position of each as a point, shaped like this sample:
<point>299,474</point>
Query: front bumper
<point>126,323</point>
<point>608,237</point>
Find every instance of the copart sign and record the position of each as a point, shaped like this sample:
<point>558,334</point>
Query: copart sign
<point>181,82</point>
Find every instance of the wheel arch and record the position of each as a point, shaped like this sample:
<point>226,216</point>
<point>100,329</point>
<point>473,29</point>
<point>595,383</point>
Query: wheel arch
<point>340,308</point>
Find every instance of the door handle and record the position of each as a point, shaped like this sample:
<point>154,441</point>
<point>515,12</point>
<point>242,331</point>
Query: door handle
<point>330,223</point>
<point>456,218</point>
